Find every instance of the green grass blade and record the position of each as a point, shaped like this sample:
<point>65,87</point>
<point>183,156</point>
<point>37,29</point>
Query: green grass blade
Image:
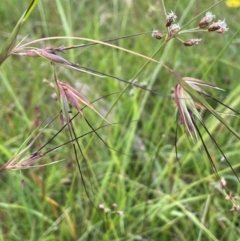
<point>10,43</point>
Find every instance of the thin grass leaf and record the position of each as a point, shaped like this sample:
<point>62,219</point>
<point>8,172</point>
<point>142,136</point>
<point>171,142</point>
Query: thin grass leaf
<point>207,152</point>
<point>10,43</point>
<point>40,215</point>
<point>218,147</point>
<point>23,149</point>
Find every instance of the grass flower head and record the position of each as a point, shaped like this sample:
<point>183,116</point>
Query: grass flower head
<point>220,26</point>
<point>191,42</point>
<point>206,20</point>
<point>156,34</point>
<point>189,108</point>
<point>173,30</point>
<point>69,95</point>
<point>171,17</point>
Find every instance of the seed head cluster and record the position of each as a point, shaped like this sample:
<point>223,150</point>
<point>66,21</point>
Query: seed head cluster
<point>175,31</point>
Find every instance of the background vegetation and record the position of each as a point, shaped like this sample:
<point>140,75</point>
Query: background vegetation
<point>160,199</point>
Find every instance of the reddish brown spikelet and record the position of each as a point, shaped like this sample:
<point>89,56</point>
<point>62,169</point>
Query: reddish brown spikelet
<point>213,27</point>
<point>156,34</point>
<point>191,42</point>
<point>69,94</point>
<point>170,19</point>
<point>173,30</point>
<point>206,20</point>
<point>220,26</point>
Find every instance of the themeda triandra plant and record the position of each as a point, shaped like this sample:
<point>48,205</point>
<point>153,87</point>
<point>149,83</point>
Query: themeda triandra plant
<point>191,99</point>
<point>191,94</point>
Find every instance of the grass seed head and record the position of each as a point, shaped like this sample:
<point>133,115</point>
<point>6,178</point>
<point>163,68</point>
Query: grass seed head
<point>171,17</point>
<point>101,207</point>
<point>114,206</point>
<point>223,183</point>
<point>156,34</point>
<point>206,20</point>
<point>69,95</point>
<point>191,42</point>
<point>220,26</point>
<point>187,109</point>
<point>173,30</point>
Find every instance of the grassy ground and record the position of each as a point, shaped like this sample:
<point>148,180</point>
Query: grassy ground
<point>160,199</point>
